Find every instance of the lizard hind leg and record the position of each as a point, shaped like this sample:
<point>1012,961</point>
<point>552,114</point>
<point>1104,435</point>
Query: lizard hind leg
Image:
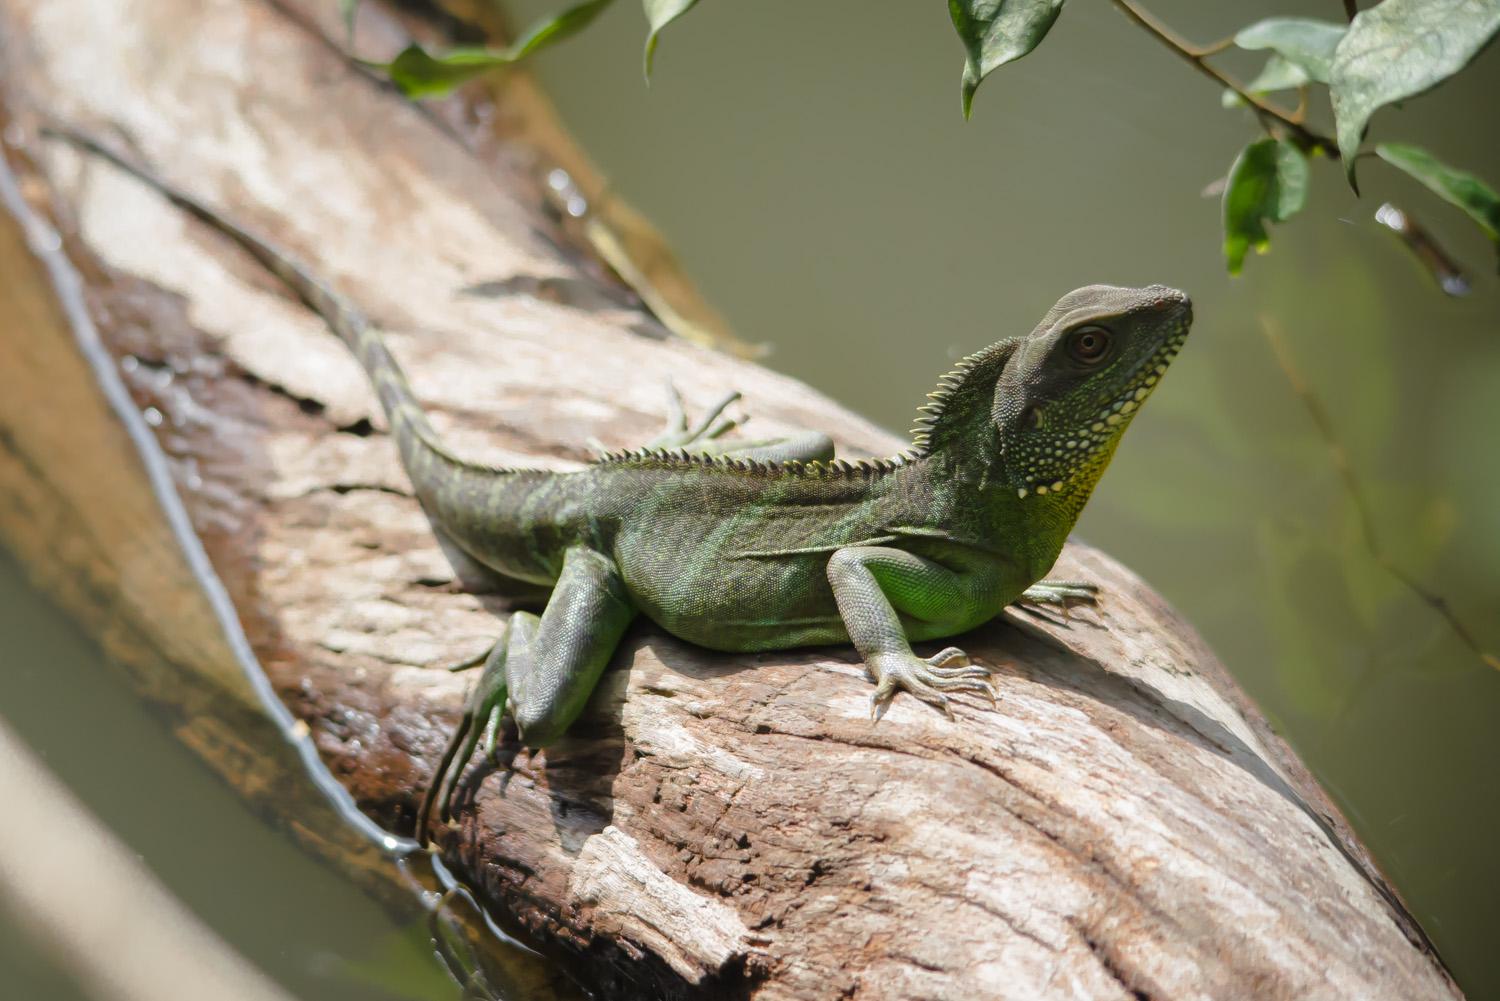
<point>678,433</point>
<point>541,671</point>
<point>475,577</point>
<point>1063,594</point>
<point>483,710</point>
<point>704,437</point>
<point>575,638</point>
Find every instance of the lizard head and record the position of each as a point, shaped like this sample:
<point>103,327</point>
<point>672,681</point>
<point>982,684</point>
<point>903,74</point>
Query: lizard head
<point>1051,406</point>
<point>1071,387</point>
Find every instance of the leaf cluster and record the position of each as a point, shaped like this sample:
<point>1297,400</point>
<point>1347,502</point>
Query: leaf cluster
<point>1384,55</point>
<point>419,73</point>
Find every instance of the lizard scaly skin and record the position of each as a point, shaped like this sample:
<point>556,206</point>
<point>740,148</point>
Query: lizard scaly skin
<point>777,544</point>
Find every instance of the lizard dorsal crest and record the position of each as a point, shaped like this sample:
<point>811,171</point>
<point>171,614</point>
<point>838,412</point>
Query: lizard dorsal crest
<point>958,412</point>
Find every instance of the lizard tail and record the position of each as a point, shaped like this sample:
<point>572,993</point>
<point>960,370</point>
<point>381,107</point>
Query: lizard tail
<point>418,441</point>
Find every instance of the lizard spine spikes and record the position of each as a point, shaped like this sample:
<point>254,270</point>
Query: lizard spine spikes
<point>950,384</point>
<point>837,468</point>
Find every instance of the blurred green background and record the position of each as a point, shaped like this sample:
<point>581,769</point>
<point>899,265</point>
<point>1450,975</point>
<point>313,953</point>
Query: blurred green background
<point>809,163</point>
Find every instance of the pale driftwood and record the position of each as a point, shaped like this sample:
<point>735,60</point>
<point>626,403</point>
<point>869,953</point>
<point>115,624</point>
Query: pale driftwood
<point>1122,824</point>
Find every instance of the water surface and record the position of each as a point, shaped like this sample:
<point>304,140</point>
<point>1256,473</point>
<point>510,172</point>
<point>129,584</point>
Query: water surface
<point>311,929</point>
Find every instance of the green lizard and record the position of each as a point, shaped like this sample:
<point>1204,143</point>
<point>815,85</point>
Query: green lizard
<point>774,544</point>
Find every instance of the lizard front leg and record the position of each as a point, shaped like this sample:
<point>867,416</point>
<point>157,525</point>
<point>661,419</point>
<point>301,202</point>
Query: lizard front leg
<point>542,670</point>
<point>870,584</point>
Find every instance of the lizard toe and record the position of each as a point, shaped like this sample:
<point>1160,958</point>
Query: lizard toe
<point>966,685</point>
<point>969,671</point>
<point>1063,593</point>
<point>929,693</point>
<point>949,657</point>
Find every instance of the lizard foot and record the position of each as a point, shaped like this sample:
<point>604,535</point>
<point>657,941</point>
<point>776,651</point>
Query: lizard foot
<point>927,678</point>
<point>712,425</point>
<point>1064,594</point>
<point>480,721</point>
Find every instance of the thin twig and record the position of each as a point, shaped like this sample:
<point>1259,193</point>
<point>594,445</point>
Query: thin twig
<point>1268,114</point>
<point>1214,48</point>
<point>1352,487</point>
<point>1351,8</point>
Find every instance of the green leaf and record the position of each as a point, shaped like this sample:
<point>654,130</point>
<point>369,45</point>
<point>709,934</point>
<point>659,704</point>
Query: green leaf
<point>1268,183</point>
<point>420,74</point>
<point>996,32</point>
<point>548,32</point>
<point>1278,74</point>
<point>661,13</point>
<point>1397,50</point>
<point>1302,41</point>
<point>1478,200</point>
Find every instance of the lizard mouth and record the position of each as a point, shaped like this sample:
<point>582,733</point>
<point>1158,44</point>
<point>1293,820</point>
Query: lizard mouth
<point>1142,380</point>
<point>1078,456</point>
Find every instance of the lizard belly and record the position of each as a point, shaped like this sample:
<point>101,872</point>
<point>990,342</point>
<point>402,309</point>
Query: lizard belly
<point>744,604</point>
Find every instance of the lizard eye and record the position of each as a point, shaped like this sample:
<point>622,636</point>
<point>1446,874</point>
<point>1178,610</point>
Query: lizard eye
<point>1032,416</point>
<point>1088,345</point>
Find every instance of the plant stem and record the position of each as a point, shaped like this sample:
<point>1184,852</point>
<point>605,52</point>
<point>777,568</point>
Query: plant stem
<point>1305,138</point>
<point>1350,9</point>
<point>1366,521</point>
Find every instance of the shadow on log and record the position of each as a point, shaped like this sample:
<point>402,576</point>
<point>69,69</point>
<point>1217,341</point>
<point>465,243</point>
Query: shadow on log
<point>1122,825</point>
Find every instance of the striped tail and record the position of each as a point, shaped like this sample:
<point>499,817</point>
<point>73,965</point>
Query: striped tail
<point>419,443</point>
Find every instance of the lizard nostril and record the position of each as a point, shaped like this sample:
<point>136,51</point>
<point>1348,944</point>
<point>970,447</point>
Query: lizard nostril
<point>1170,299</point>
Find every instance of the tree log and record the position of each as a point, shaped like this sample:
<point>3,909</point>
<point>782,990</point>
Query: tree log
<point>1122,824</point>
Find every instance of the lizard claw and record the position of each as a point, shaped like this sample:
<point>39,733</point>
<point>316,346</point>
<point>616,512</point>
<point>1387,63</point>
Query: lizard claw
<point>709,425</point>
<point>949,655</point>
<point>929,679</point>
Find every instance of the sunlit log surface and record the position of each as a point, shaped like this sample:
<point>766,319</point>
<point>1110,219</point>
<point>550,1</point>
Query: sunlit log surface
<point>1122,825</point>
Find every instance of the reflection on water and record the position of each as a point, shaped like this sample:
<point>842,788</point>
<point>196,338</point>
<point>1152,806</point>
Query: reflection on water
<point>810,166</point>
<point>315,933</point>
<point>26,972</point>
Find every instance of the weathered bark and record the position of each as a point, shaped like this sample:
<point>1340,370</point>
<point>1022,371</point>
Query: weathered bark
<point>1122,824</point>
